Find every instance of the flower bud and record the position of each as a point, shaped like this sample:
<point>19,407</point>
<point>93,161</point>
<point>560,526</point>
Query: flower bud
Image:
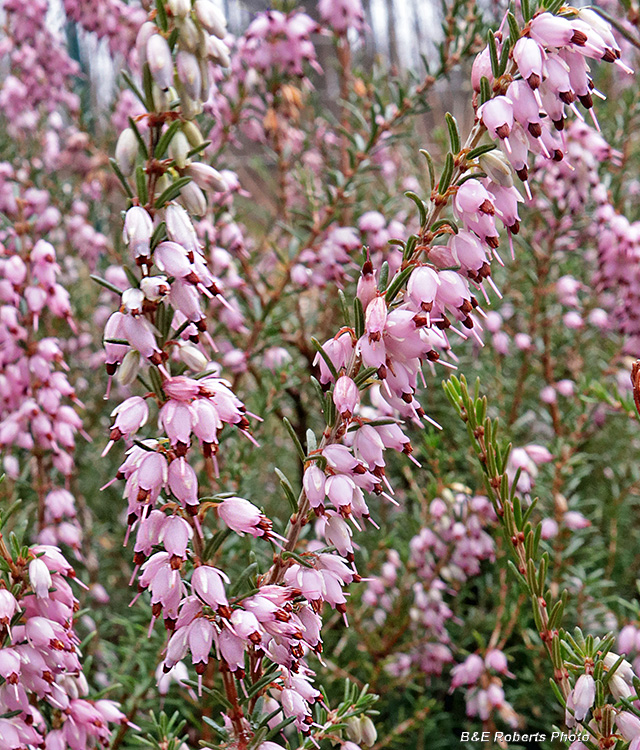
<point>192,357</point>
<point>162,99</point>
<point>368,730</point>
<point>138,229</point>
<point>127,151</point>
<point>346,396</point>
<point>189,35</point>
<point>353,729</point>
<point>179,148</point>
<point>497,167</point>
<point>189,73</point>
<point>40,578</point>
<point>206,177</point>
<point>194,136</point>
<point>190,107</point>
<point>192,198</point>
<point>128,370</point>
<point>154,288</point>
<point>160,61</point>
<point>179,8</point>
<point>211,18</point>
<point>147,30</point>
<point>218,52</point>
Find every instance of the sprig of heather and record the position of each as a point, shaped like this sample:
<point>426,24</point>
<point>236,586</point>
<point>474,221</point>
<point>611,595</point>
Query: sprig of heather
<point>43,698</point>
<point>594,685</point>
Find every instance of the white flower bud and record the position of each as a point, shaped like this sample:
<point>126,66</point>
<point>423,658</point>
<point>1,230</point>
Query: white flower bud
<point>162,184</point>
<point>132,300</point>
<point>162,99</point>
<point>206,177</point>
<point>189,73</point>
<point>147,30</point>
<point>189,37</point>
<point>194,136</point>
<point>127,151</point>
<point>155,287</point>
<point>192,198</point>
<point>128,370</point>
<point>190,107</point>
<point>211,18</point>
<point>218,52</point>
<point>368,729</point>
<point>160,61</point>
<point>354,732</point>
<point>192,357</point>
<point>497,167</point>
<point>179,8</point>
<point>179,148</point>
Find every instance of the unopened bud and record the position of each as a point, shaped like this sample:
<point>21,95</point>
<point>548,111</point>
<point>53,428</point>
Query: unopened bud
<point>354,732</point>
<point>496,166</point>
<point>162,183</point>
<point>192,198</point>
<point>155,287</point>
<point>179,148</point>
<point>192,357</point>
<point>218,52</point>
<point>160,61</point>
<point>189,73</point>
<point>190,107</point>
<point>206,177</point>
<point>127,151</point>
<point>211,18</point>
<point>128,370</point>
<point>368,730</point>
<point>189,35</point>
<point>162,99</point>
<point>194,136</point>
<point>179,8</point>
<point>147,30</point>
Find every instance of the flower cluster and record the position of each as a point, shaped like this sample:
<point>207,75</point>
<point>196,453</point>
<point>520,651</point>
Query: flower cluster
<point>443,556</point>
<point>40,68</point>
<point>280,43</point>
<point>484,694</point>
<point>40,661</point>
<point>36,397</point>
<point>116,21</point>
<point>342,15</point>
<point>551,58</point>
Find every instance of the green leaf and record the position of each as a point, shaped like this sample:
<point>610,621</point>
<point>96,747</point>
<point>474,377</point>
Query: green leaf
<point>288,490</point>
<point>454,133</point>
<point>485,90</point>
<point>106,284</point>
<point>420,204</point>
<point>384,276</point>
<point>514,29</point>
<point>141,185</point>
<point>447,175</point>
<point>359,317</point>
<point>397,283</point>
<point>478,151</point>
<point>121,177</point>
<point>173,191</point>
<point>294,438</point>
<point>493,54</point>
<point>165,139</point>
<point>163,21</point>
<point>432,172</point>
<point>318,347</point>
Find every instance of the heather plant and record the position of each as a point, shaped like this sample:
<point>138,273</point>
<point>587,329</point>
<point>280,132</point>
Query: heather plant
<point>227,306</point>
